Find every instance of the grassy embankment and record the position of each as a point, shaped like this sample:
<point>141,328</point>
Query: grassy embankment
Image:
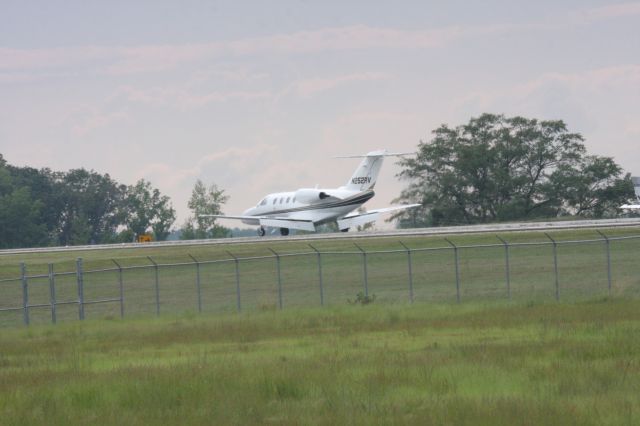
<point>582,274</point>
<point>489,363</point>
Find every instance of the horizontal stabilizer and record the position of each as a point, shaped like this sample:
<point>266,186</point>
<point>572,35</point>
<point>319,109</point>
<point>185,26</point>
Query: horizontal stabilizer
<point>385,210</point>
<point>381,153</point>
<point>359,219</point>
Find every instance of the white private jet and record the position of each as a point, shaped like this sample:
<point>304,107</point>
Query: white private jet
<point>307,207</point>
<point>636,187</point>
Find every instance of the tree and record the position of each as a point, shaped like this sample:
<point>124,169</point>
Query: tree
<point>205,201</point>
<point>496,168</point>
<point>92,207</point>
<point>148,210</point>
<point>20,224</point>
<point>20,214</point>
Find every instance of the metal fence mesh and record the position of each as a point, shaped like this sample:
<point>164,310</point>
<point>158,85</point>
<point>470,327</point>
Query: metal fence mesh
<point>536,271</point>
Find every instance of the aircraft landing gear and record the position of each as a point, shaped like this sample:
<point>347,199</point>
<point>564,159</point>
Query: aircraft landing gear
<point>261,232</point>
<point>284,231</point>
<point>344,230</point>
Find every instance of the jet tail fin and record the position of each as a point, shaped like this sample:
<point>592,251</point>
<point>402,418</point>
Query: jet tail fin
<point>365,176</point>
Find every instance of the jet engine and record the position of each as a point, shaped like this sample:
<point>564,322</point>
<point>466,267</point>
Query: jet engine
<point>309,195</point>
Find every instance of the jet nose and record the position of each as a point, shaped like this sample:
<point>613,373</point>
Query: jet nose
<point>247,212</point>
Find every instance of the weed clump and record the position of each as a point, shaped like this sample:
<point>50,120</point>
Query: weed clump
<point>361,299</point>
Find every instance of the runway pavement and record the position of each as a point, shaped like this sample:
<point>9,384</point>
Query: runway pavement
<point>449,230</point>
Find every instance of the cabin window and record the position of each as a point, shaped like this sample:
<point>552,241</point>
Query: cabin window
<point>288,199</point>
<point>274,200</point>
<point>281,200</point>
<point>294,200</point>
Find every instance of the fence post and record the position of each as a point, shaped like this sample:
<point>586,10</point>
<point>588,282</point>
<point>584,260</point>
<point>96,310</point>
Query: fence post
<point>52,293</point>
<point>120,287</point>
<point>319,273</point>
<point>364,267</point>
<point>279,277</point>
<point>157,283</point>
<point>555,264</point>
<point>198,289</point>
<point>455,258</point>
<point>608,246</point>
<point>80,280</point>
<point>25,293</point>
<point>507,267</point>
<point>238,305</point>
<point>410,271</point>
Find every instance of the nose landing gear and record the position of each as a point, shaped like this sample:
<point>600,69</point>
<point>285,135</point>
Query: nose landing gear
<point>284,231</point>
<point>261,232</point>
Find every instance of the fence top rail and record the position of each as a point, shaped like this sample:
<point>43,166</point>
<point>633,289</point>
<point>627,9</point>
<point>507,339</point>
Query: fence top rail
<point>343,252</point>
<point>599,240</point>
<point>271,256</point>
<point>628,237</point>
<point>94,271</point>
<point>35,277</point>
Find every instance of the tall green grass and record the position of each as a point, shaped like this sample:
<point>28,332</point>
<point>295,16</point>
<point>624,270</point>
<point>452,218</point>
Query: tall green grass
<point>495,363</point>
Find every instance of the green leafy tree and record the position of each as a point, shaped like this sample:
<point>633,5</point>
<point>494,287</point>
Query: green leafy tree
<point>92,209</point>
<point>20,224</point>
<point>205,201</point>
<point>148,210</point>
<point>496,168</point>
<point>20,213</point>
<point>45,187</point>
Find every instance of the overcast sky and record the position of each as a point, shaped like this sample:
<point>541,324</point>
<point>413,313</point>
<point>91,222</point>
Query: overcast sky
<point>259,96</point>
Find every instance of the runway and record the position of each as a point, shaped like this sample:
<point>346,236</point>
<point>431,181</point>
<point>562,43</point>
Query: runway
<point>449,230</point>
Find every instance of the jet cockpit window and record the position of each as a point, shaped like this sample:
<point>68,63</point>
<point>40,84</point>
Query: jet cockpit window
<point>263,202</point>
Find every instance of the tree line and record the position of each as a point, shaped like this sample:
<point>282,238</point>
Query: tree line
<point>493,168</point>
<point>41,207</point>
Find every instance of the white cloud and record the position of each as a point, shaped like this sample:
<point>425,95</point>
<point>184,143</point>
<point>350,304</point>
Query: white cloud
<point>610,11</point>
<point>96,120</point>
<point>309,87</point>
<point>152,58</point>
<point>183,99</point>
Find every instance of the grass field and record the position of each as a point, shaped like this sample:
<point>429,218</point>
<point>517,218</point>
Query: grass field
<point>493,363</point>
<point>582,274</point>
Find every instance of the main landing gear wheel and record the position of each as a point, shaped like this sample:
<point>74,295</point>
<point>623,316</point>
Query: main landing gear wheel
<point>345,230</point>
<point>261,231</point>
<point>284,231</point>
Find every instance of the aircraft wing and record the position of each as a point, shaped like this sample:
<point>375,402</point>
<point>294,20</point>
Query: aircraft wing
<point>359,219</point>
<point>276,222</point>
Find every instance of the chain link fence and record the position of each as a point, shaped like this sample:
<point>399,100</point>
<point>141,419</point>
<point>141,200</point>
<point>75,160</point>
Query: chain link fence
<point>531,271</point>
